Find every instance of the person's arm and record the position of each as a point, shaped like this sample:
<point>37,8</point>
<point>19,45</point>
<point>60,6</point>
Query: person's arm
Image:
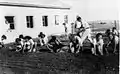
<point>48,43</point>
<point>58,41</point>
<point>42,42</point>
<point>115,43</point>
<point>101,44</point>
<point>32,43</point>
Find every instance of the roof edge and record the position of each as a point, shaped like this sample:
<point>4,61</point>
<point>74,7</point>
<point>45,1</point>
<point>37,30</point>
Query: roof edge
<point>31,5</point>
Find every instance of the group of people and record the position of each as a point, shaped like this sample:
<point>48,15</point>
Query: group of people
<point>82,31</point>
<point>28,44</point>
<point>25,43</point>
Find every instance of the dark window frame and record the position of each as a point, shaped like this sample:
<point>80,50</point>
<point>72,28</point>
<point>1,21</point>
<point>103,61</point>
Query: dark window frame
<point>45,20</point>
<point>29,21</point>
<point>10,20</point>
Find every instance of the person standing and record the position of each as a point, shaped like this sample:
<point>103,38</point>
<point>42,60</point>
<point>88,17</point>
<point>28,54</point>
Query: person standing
<point>66,30</point>
<point>7,26</point>
<point>82,29</point>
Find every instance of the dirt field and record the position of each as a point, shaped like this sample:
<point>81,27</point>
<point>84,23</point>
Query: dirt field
<point>57,63</point>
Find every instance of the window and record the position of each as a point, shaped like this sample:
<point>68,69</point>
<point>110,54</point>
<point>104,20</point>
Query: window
<point>45,20</point>
<point>66,18</point>
<point>10,20</point>
<point>56,20</point>
<point>29,21</point>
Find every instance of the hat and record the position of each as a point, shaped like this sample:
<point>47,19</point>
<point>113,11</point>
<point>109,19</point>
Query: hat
<point>41,35</point>
<point>27,37</point>
<point>4,37</point>
<point>21,36</point>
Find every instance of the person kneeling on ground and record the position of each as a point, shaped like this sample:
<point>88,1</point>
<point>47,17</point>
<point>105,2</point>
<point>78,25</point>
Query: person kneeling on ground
<point>21,37</point>
<point>113,42</point>
<point>74,43</point>
<point>98,44</point>
<point>41,37</point>
<point>115,32</point>
<point>18,44</point>
<point>3,38</point>
<point>54,44</point>
<point>29,44</point>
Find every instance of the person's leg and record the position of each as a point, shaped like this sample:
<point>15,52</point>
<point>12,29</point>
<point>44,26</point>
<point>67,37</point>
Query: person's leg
<point>78,45</point>
<point>71,46</point>
<point>85,35</point>
<point>94,50</point>
<point>93,45</point>
<point>79,40</point>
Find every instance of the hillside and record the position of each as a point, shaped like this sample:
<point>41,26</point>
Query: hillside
<point>102,25</point>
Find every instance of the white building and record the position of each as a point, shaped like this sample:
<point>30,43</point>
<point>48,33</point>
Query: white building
<point>29,17</point>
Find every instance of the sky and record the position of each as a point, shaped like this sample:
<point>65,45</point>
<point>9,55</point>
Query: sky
<point>95,9</point>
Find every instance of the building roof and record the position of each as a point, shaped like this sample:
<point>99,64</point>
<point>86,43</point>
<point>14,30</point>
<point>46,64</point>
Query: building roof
<point>52,4</point>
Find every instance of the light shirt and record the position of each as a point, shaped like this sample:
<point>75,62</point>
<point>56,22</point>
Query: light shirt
<point>115,32</point>
<point>77,24</point>
<point>100,42</point>
<point>31,41</point>
<point>84,23</point>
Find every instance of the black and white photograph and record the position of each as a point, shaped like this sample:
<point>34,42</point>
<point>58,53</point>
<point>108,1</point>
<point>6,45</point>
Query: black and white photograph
<point>59,37</point>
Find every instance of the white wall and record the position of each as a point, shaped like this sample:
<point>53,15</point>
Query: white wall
<point>20,14</point>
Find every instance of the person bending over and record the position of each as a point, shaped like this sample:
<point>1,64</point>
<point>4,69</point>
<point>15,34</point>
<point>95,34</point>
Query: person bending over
<point>28,44</point>
<point>98,44</point>
<point>54,44</point>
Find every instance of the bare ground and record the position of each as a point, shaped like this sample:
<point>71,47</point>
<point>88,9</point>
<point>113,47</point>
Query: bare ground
<point>57,63</point>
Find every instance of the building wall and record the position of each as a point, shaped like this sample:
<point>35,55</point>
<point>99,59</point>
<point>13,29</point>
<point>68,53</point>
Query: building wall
<point>20,14</point>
